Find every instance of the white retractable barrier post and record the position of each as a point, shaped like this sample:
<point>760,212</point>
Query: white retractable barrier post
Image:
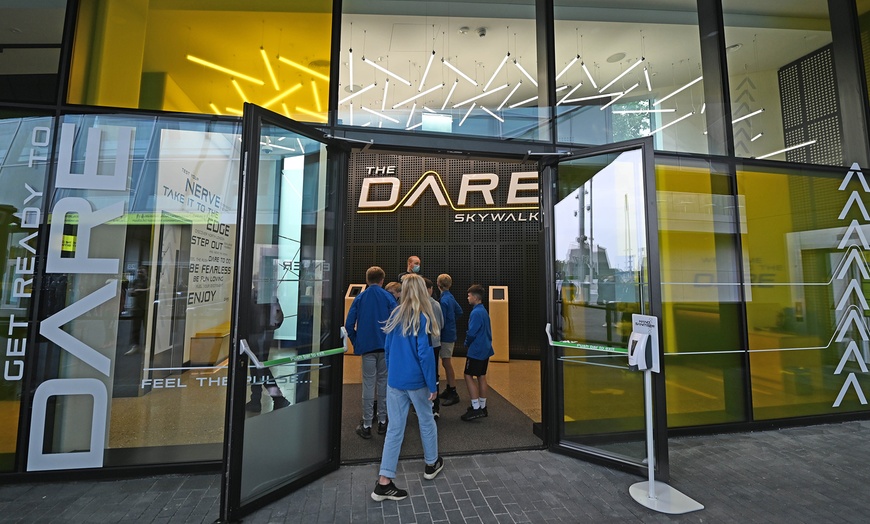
<point>643,355</point>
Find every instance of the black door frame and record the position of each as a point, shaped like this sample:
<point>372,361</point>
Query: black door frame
<point>550,397</point>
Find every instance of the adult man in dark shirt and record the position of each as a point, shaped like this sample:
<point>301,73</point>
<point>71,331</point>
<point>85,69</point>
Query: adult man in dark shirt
<point>138,290</point>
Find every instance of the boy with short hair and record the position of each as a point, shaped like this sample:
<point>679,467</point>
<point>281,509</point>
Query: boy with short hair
<point>451,310</point>
<point>478,341</point>
<point>365,320</point>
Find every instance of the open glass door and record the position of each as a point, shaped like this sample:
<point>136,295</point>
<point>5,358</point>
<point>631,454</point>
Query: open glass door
<point>601,236</point>
<point>284,405</point>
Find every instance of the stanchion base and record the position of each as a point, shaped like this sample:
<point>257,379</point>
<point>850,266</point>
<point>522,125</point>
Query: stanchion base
<point>668,500</point>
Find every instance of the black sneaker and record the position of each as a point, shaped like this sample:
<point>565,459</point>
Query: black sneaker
<point>253,406</point>
<point>446,393</point>
<point>471,414</point>
<point>382,428</point>
<point>279,402</point>
<point>485,412</point>
<point>365,432</point>
<point>432,470</point>
<point>390,491</point>
<point>451,399</point>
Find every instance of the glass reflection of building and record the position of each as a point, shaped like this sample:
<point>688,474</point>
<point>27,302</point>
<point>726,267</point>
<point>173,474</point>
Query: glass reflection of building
<point>755,130</point>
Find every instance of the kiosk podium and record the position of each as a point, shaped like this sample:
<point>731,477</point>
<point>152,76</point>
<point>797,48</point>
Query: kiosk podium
<point>499,320</point>
<point>352,291</point>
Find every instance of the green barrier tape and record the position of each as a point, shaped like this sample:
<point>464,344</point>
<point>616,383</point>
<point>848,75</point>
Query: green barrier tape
<point>578,345</point>
<point>307,356</point>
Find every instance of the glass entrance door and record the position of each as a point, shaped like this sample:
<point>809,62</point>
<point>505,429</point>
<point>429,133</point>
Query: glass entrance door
<point>284,406</point>
<point>603,267</point>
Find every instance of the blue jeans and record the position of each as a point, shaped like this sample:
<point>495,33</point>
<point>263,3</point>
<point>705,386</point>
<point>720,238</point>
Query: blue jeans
<point>398,405</point>
<point>374,376</point>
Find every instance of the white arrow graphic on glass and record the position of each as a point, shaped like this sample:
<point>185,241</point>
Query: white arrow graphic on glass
<point>853,287</point>
<point>855,170</point>
<point>852,316</point>
<point>851,350</point>
<point>853,381</point>
<point>856,227</point>
<point>854,199</point>
<point>854,255</point>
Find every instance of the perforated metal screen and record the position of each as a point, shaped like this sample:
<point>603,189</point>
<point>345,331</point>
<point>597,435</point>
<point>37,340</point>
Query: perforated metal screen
<point>476,242</point>
<point>811,109</point>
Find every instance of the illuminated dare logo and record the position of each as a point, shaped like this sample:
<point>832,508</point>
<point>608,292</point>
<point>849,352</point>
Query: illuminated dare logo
<point>522,192</point>
<point>57,261</point>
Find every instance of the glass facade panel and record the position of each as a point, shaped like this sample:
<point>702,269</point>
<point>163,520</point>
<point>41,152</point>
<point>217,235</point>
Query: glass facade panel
<point>30,42</point>
<point>204,57</point>
<point>467,68</point>
<point>630,71</point>
<point>784,101</point>
<point>136,293</point>
<point>806,305</point>
<point>864,23</point>
<point>701,295</point>
<point>25,144</point>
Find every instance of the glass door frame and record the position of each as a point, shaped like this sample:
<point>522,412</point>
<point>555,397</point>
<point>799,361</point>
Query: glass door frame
<point>254,119</point>
<point>552,405</point>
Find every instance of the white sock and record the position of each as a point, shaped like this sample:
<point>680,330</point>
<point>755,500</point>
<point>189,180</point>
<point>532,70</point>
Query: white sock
<point>475,403</point>
<point>482,402</point>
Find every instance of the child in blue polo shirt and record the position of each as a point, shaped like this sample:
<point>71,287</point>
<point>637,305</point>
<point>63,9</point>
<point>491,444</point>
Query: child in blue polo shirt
<point>478,341</point>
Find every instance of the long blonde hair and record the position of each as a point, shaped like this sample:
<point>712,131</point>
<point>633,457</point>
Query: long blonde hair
<point>415,300</point>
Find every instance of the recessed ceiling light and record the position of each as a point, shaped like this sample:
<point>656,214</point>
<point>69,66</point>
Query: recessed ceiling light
<point>14,30</point>
<point>464,29</point>
<point>733,47</point>
<point>616,57</point>
<point>353,88</point>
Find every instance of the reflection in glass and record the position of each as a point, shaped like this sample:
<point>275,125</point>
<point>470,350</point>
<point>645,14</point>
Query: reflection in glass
<point>628,72</point>
<point>30,42</point>
<point>288,404</point>
<point>467,68</point>
<point>600,248</point>
<point>784,101</point>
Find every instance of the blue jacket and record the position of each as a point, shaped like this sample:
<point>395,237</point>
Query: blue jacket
<point>478,338</point>
<point>410,359</point>
<point>451,310</point>
<point>366,317</point>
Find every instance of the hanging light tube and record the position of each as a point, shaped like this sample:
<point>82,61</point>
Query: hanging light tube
<point>572,62</point>
<point>350,65</point>
<point>646,76</point>
<point>452,89</point>
<point>239,90</point>
<point>350,113</point>
<point>303,68</point>
<point>301,147</point>
<point>693,82</point>
<point>418,95</point>
<point>411,115</point>
<point>415,126</point>
<point>571,92</point>
<point>356,93</point>
<point>226,70</point>
<point>428,110</point>
<point>703,107</point>
<point>669,124</point>
<point>514,90</point>
<point>589,75</point>
<point>214,108</point>
<point>628,70</point>
<point>627,91</point>
<point>382,115</point>
<point>521,68</point>
<point>481,95</point>
<point>593,97</point>
<point>276,146</point>
<point>385,70</point>
<point>458,72</point>
<point>426,72</point>
<point>523,102</point>
<point>234,111</point>
<point>384,101</point>
<point>269,69</point>
<point>500,119</point>
<point>497,69</point>
<point>750,115</point>
<point>285,94</point>
<point>286,111</point>
<point>319,116</point>
<point>466,114</point>
<point>803,144</point>
<point>317,104</point>
<point>756,137</point>
<point>634,111</point>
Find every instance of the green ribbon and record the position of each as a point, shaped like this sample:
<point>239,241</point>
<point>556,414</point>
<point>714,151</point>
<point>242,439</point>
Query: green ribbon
<point>307,356</point>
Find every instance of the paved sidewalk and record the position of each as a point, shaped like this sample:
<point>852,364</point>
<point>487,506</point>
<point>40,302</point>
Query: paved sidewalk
<point>813,474</point>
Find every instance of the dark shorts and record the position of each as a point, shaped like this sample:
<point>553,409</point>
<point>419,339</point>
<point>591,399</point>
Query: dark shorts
<point>476,368</point>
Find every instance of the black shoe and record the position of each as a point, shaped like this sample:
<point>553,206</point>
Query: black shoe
<point>366,433</point>
<point>253,406</point>
<point>451,398</point>
<point>485,412</point>
<point>433,470</point>
<point>436,415</point>
<point>382,428</point>
<point>390,491</point>
<point>471,414</point>
<point>446,393</point>
<point>279,402</point>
